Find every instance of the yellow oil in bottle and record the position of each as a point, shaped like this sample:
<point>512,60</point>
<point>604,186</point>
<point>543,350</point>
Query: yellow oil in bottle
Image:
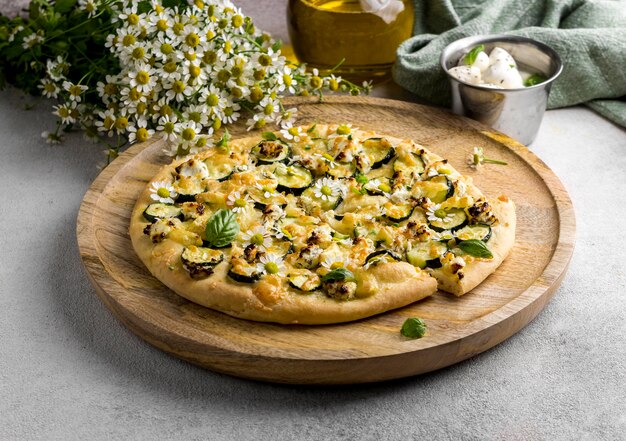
<point>323,32</point>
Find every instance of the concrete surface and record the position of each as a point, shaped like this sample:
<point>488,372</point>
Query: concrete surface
<point>70,371</point>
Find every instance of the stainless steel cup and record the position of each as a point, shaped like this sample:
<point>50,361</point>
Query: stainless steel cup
<point>515,112</point>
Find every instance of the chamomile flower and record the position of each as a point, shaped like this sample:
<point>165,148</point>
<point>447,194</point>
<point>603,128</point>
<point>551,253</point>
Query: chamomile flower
<point>168,127</point>
<point>139,132</point>
<point>65,112</point>
<point>88,6</point>
<point>238,202</point>
<point>106,122</point>
<point>286,81</point>
<point>326,158</point>
<point>143,78</point>
<point>273,264</point>
<point>257,122</point>
<point>400,196</point>
<point>75,90</point>
<point>327,188</point>
<point>434,212</point>
<point>259,236</point>
<point>341,131</point>
<point>163,192</point>
<point>49,88</point>
<point>52,138</point>
<point>32,40</point>
<point>267,190</point>
<point>334,260</point>
<point>286,118</point>
<point>295,134</point>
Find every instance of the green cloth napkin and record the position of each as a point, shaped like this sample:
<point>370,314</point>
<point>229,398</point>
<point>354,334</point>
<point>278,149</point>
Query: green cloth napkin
<point>590,37</point>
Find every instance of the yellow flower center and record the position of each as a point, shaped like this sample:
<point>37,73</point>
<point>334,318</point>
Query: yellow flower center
<point>108,122</point>
<point>142,134</point>
<point>268,109</point>
<point>121,123</point>
<point>260,123</point>
<point>293,131</point>
<point>191,56</point>
<point>178,28</point>
<point>162,25</point>
<point>240,202</point>
<point>168,127</point>
<point>237,20</point>
<point>188,134</point>
<point>192,39</point>
<point>138,53</point>
<point>287,80</point>
<point>134,94</point>
<point>50,88</point>
<point>326,190</point>
<point>209,57</point>
<point>110,89</point>
<point>228,111</point>
<point>256,94</point>
<point>441,213</point>
<point>257,239</point>
<point>162,191</point>
<point>143,77</point>
<point>265,60</point>
<point>166,48</point>
<point>316,82</point>
<point>195,71</point>
<point>170,67</point>
<point>165,110</point>
<point>213,100</point>
<point>75,90</point>
<point>271,268</point>
<point>178,86</point>
<point>132,19</point>
<point>336,265</point>
<point>128,40</point>
<point>343,130</point>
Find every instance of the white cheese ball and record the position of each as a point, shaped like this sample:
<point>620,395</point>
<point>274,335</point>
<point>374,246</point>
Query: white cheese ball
<point>467,74</point>
<point>481,62</point>
<point>503,75</point>
<point>499,55</point>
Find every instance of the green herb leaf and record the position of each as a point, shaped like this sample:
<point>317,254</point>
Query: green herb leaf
<point>269,136</point>
<point>277,45</point>
<point>311,128</point>
<point>222,228</point>
<point>64,6</point>
<point>471,55</point>
<point>361,178</point>
<point>534,79</point>
<point>476,248</point>
<point>224,141</point>
<point>338,275</point>
<point>413,328</point>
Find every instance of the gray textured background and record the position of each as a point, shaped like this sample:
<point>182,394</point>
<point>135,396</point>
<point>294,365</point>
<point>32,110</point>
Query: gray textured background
<point>69,370</point>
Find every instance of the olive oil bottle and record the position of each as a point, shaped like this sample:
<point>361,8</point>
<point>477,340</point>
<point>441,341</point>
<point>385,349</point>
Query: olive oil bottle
<point>324,32</point>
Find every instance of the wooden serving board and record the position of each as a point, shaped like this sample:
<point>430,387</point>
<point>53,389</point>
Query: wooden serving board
<point>366,350</point>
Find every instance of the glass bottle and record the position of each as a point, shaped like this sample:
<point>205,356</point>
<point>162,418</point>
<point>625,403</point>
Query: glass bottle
<point>325,32</point>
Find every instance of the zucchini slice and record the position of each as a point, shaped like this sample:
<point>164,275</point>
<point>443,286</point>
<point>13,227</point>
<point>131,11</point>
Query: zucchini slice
<point>455,219</point>
<point>398,213</point>
<point>219,170</point>
<point>426,254</point>
<point>162,211</point>
<point>381,256</point>
<point>304,280</point>
<point>199,261</point>
<point>409,164</point>
<point>477,231</point>
<point>329,204</point>
<point>281,247</point>
<point>342,170</point>
<point>437,189</point>
<point>377,187</point>
<point>259,198</point>
<point>244,273</point>
<point>293,179</point>
<point>271,152</point>
<point>187,188</point>
<point>379,151</point>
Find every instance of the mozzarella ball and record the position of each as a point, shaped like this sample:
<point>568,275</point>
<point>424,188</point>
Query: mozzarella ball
<point>467,74</point>
<point>499,55</point>
<point>482,61</point>
<point>503,75</point>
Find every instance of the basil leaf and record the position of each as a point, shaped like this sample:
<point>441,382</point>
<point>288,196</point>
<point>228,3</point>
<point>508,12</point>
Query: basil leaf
<point>269,136</point>
<point>222,228</point>
<point>413,328</point>
<point>534,79</point>
<point>338,275</point>
<point>471,55</point>
<point>224,141</point>
<point>476,248</point>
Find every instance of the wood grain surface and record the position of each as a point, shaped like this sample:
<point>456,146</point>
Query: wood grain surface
<point>367,350</point>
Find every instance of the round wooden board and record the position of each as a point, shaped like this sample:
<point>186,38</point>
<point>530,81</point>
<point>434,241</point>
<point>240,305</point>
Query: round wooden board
<point>366,350</point>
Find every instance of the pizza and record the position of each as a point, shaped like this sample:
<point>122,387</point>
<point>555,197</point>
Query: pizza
<point>317,224</point>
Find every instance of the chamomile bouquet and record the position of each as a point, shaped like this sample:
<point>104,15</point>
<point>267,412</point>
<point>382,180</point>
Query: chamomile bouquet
<point>123,71</point>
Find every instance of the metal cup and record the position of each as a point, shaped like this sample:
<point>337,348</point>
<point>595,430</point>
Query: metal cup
<point>515,112</point>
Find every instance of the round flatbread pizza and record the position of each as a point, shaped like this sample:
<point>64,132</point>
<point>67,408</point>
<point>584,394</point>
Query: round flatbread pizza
<point>317,224</point>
